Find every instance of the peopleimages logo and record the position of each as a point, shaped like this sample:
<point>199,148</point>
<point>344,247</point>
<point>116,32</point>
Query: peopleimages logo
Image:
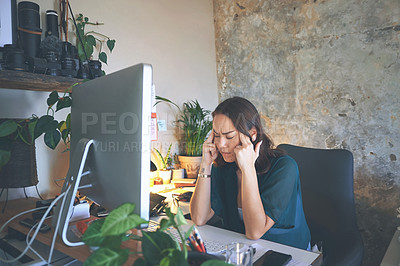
<point>120,146</point>
<point>109,123</point>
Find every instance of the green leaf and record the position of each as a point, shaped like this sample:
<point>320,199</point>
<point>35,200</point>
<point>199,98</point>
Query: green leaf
<point>53,98</point>
<point>165,223</point>
<point>64,135</point>
<point>162,99</point>
<point>106,256</point>
<point>92,236</point>
<point>121,220</point>
<point>52,138</point>
<point>103,57</point>
<point>24,135</point>
<point>31,127</point>
<point>154,244</point>
<point>180,219</point>
<point>81,54</point>
<point>113,242</point>
<point>43,125</point>
<point>110,44</point>
<point>64,102</point>
<point>91,40</point>
<point>7,128</point>
<point>89,50</point>
<point>68,120</point>
<point>189,232</point>
<point>4,157</point>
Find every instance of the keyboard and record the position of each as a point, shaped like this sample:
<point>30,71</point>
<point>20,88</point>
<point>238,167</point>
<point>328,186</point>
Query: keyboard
<point>211,246</point>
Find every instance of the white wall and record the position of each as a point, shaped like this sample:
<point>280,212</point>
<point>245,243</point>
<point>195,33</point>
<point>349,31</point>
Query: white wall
<point>176,37</point>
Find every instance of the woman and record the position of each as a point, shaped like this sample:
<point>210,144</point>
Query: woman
<point>254,188</point>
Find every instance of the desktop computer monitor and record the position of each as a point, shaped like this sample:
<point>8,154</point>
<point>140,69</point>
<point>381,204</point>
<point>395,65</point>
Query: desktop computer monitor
<point>110,144</point>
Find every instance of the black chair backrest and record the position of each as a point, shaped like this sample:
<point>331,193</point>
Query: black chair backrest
<point>326,178</point>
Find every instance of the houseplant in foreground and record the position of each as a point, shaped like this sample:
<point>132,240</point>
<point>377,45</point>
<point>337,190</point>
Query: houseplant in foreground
<point>158,248</point>
<point>195,124</point>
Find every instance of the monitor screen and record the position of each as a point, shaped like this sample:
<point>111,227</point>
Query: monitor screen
<point>110,143</point>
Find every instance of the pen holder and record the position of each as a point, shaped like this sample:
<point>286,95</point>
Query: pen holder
<point>239,254</point>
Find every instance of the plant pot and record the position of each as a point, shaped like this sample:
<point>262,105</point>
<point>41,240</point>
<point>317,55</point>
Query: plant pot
<point>178,173</point>
<point>20,171</point>
<point>165,176</point>
<point>191,165</point>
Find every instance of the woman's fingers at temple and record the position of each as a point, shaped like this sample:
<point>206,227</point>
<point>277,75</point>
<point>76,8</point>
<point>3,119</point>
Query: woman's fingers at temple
<point>245,140</point>
<point>210,138</point>
<point>257,148</point>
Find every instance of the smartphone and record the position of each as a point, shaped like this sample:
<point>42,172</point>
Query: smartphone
<point>273,258</point>
<point>30,223</point>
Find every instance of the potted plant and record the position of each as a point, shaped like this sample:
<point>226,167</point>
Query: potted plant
<point>28,130</point>
<point>166,164</point>
<point>157,248</point>
<point>177,171</point>
<point>90,41</point>
<point>194,123</point>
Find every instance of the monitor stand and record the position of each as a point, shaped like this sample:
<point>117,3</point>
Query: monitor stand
<point>63,211</point>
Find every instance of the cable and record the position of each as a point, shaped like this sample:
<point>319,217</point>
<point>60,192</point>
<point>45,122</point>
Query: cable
<point>72,261</point>
<point>27,240</point>
<point>22,213</point>
<point>37,229</point>
<point>57,225</point>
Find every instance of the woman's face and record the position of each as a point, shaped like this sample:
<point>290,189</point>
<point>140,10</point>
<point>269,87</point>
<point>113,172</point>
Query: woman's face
<point>226,137</point>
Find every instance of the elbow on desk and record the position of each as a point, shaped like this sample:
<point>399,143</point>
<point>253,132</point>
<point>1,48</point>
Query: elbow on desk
<point>197,221</point>
<point>253,235</point>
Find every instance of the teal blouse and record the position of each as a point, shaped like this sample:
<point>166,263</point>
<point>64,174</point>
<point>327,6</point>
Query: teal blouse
<point>280,193</point>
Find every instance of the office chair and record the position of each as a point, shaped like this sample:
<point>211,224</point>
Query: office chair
<point>326,178</point>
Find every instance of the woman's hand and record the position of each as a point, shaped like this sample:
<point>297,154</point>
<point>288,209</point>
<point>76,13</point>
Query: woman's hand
<point>210,152</point>
<point>246,155</point>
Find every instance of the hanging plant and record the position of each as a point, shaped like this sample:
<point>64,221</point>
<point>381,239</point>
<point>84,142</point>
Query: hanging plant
<point>91,39</point>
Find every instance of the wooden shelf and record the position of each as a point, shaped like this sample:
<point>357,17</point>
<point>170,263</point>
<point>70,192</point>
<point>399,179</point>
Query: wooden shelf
<point>20,80</point>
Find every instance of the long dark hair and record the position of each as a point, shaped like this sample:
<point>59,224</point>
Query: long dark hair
<point>244,117</point>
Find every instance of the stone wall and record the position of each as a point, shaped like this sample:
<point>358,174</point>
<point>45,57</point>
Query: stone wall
<point>324,74</point>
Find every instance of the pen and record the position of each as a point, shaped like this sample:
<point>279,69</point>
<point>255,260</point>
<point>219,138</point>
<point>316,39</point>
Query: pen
<point>199,239</point>
<point>190,244</point>
<point>195,244</point>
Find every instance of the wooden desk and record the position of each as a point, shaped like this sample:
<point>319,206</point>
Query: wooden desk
<point>80,253</point>
<point>16,206</point>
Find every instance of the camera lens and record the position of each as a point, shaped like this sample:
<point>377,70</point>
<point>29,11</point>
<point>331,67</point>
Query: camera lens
<point>95,69</point>
<point>28,15</point>
<point>53,64</point>
<point>15,60</point>
<point>37,65</point>
<point>29,31</point>
<point>68,68</point>
<point>52,23</point>
<point>83,71</point>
